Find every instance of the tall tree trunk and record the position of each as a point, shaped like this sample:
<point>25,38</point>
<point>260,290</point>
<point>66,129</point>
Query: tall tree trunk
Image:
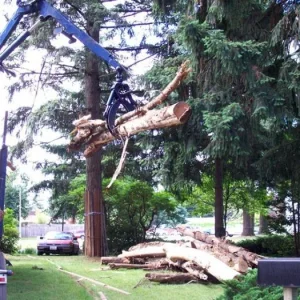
<point>219,206</point>
<point>248,224</point>
<point>95,229</point>
<point>263,224</point>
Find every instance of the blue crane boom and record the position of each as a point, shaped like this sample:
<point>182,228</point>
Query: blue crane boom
<point>120,93</point>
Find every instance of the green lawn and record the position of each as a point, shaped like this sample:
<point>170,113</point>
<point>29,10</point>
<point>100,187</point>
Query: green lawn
<point>29,282</point>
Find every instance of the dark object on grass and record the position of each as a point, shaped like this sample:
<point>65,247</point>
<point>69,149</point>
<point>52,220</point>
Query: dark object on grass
<point>8,263</point>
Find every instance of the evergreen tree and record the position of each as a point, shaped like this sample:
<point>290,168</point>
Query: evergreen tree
<point>12,195</point>
<point>66,64</point>
<point>236,82</point>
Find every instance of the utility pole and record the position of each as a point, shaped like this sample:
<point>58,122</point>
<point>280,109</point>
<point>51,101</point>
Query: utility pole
<point>20,212</point>
<point>3,165</point>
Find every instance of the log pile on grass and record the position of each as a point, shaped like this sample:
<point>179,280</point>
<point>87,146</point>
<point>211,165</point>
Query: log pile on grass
<point>203,259</point>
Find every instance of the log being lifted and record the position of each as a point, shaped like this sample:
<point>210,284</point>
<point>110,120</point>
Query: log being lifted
<point>94,133</point>
<point>174,115</point>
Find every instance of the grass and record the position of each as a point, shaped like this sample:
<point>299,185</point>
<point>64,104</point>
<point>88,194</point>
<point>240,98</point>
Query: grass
<point>36,279</point>
<point>29,282</point>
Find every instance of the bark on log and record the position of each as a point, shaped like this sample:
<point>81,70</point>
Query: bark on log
<point>88,130</point>
<point>169,116</point>
<point>171,278</point>
<point>105,260</point>
<point>145,252</point>
<point>126,266</point>
<point>206,261</point>
<point>191,269</point>
<point>237,263</point>
<point>146,245</point>
<point>250,257</point>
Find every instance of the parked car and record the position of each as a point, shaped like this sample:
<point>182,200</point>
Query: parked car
<point>58,243</point>
<point>79,234</point>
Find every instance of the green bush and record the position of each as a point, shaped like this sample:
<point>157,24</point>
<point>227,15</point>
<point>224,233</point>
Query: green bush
<point>8,243</point>
<point>271,245</point>
<point>27,251</point>
<point>245,288</point>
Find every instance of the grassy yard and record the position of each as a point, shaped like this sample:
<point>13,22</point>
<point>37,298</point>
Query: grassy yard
<point>37,278</point>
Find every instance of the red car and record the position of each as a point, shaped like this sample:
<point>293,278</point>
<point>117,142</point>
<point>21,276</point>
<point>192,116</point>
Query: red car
<point>58,243</point>
<point>79,234</point>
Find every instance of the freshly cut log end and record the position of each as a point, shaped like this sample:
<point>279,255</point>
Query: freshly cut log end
<point>182,111</point>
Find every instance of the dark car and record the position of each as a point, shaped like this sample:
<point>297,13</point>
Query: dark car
<point>58,243</point>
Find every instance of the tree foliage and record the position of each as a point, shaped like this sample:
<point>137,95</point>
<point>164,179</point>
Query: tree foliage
<point>14,191</point>
<point>8,243</point>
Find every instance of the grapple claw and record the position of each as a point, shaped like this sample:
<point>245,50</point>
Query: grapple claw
<point>112,113</point>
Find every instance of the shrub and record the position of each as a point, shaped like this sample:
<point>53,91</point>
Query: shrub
<point>271,245</point>
<point>245,288</point>
<point>10,237</point>
<point>27,251</point>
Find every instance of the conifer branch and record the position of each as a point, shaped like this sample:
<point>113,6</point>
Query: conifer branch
<point>133,48</point>
<point>80,12</point>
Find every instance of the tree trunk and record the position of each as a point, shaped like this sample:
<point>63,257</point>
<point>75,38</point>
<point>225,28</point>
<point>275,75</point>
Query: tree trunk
<point>263,224</point>
<point>95,229</point>
<point>219,209</point>
<point>248,224</point>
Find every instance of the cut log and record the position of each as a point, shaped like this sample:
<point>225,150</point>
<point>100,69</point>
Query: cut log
<point>95,133</point>
<point>193,270</point>
<point>250,257</point>
<point>105,260</point>
<point>237,263</point>
<point>126,266</point>
<point>146,245</point>
<point>206,261</point>
<point>144,252</point>
<point>176,278</point>
<point>169,116</point>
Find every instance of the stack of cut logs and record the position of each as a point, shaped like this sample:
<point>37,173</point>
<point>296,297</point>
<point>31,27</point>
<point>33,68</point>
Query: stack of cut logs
<point>203,258</point>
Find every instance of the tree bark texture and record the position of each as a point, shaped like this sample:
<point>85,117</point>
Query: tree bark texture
<point>219,206</point>
<point>95,229</point>
<point>263,225</point>
<point>176,114</point>
<point>248,224</point>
